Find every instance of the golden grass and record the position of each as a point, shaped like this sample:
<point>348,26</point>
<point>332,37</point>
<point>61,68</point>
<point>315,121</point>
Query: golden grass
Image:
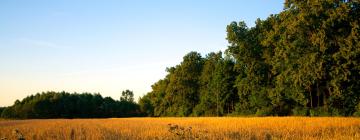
<point>201,128</point>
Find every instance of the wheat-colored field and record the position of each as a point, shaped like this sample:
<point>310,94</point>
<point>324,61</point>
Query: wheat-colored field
<point>184,128</point>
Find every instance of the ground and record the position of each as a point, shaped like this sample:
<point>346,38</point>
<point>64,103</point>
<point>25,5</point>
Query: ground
<point>184,128</point>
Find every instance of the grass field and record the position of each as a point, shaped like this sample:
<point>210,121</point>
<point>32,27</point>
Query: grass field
<point>184,128</point>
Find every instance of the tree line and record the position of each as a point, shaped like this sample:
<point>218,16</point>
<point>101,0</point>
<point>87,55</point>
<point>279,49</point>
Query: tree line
<point>302,61</point>
<point>66,105</point>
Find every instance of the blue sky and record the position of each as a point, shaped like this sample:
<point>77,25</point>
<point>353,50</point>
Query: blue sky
<point>108,46</point>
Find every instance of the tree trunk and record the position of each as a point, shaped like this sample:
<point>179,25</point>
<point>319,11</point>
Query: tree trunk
<point>311,100</point>
<point>318,94</point>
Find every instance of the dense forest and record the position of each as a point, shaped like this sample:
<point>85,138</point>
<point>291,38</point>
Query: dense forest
<point>66,105</point>
<point>303,61</point>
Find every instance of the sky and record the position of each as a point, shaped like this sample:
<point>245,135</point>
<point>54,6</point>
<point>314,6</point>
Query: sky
<point>107,46</point>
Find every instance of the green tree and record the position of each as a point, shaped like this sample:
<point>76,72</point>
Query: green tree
<point>253,79</point>
<point>66,105</point>
<point>316,54</point>
<point>302,61</point>
<point>183,85</point>
<point>127,96</point>
<point>1,110</point>
<point>207,103</point>
<point>146,105</point>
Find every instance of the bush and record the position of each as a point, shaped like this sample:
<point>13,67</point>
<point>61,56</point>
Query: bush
<point>319,112</point>
<point>357,114</point>
<point>300,111</point>
<point>337,112</point>
<point>265,111</point>
<point>357,111</point>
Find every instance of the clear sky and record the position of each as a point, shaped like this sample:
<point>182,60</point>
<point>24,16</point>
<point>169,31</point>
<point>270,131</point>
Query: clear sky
<point>108,46</point>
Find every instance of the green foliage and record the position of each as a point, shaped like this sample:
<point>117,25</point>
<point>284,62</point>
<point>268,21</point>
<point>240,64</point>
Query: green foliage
<point>197,87</point>
<point>217,94</point>
<point>321,111</point>
<point>264,111</point>
<point>300,111</point>
<point>182,90</point>
<point>302,61</point>
<point>127,96</point>
<point>66,105</point>
<point>8,112</point>
<point>146,106</point>
<point>357,112</point>
<point>1,110</point>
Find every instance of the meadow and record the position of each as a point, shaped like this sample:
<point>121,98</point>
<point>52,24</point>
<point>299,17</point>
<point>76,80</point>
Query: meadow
<point>184,128</point>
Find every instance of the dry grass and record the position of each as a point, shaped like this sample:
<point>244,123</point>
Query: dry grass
<point>185,128</point>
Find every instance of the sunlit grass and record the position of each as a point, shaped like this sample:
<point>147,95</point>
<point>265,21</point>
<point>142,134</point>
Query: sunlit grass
<point>201,128</point>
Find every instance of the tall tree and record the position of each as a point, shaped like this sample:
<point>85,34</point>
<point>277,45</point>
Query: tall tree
<point>207,103</point>
<point>184,84</point>
<point>252,81</point>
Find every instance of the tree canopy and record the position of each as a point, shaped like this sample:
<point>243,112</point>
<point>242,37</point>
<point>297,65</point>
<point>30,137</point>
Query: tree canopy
<point>302,61</point>
<point>66,105</point>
